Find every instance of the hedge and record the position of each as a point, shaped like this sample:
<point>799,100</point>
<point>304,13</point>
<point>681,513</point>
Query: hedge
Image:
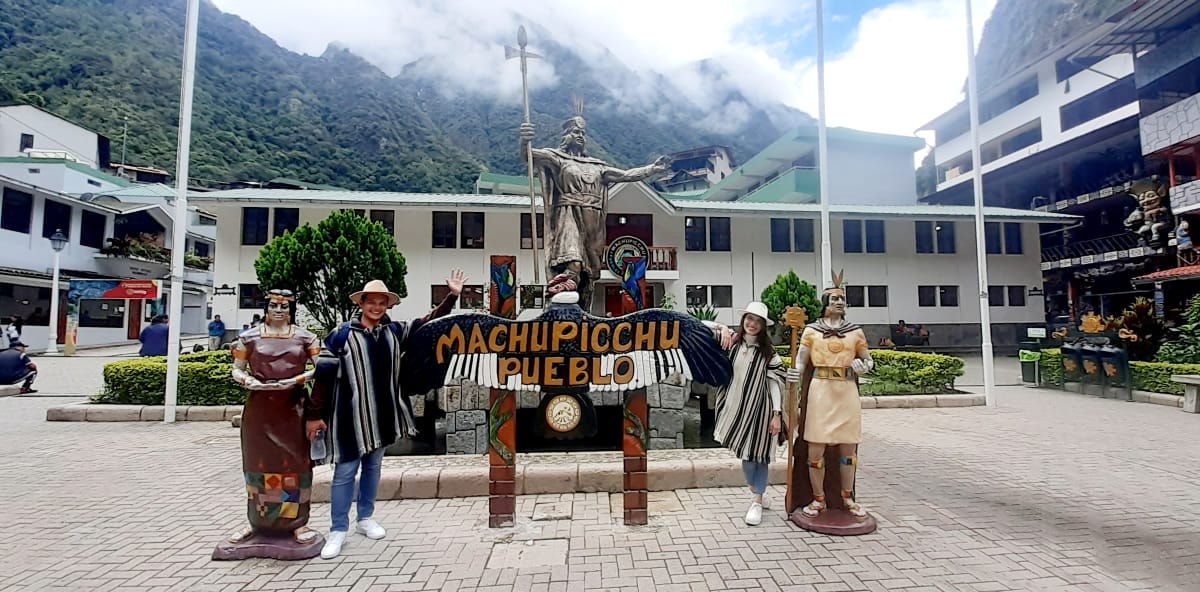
<point>1154,377</point>
<point>204,379</point>
<point>913,372</point>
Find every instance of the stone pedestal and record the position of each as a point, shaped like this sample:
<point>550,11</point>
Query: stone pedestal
<point>635,436</point>
<point>1191,391</point>
<point>284,548</point>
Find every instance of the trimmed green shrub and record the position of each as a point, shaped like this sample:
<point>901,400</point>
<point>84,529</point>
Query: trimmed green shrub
<point>142,381</point>
<point>1155,377</point>
<point>1050,367</point>
<point>907,373</point>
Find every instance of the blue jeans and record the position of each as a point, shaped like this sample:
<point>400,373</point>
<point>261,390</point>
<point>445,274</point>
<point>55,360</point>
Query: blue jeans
<point>756,476</point>
<point>342,489</point>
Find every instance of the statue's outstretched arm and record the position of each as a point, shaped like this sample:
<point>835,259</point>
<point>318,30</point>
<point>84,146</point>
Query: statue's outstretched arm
<point>615,175</point>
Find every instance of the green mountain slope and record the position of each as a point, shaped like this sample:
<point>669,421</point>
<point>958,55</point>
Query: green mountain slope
<point>262,111</point>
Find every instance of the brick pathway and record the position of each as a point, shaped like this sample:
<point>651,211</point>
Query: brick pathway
<point>1051,491</point>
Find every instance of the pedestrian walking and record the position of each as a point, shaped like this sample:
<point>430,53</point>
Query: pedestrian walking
<point>216,332</point>
<point>749,408</point>
<point>363,411</point>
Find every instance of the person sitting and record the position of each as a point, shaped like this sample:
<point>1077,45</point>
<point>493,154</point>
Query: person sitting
<point>901,334</point>
<point>16,367</point>
<point>154,337</point>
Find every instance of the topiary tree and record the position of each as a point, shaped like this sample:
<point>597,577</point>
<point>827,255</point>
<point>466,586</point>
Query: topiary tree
<point>325,264</point>
<point>789,290</point>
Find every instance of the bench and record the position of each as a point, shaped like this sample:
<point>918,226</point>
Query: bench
<point>1191,391</point>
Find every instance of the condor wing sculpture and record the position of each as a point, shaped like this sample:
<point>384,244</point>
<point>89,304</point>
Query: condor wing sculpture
<point>563,349</point>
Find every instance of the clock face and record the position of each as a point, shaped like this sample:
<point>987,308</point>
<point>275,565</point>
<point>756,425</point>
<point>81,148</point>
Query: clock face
<point>563,413</point>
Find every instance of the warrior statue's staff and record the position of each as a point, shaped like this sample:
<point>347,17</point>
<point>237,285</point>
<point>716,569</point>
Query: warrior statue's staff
<point>509,53</point>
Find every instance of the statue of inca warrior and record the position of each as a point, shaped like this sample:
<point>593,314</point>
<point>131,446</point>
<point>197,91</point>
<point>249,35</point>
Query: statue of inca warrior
<point>833,353</point>
<point>270,361</point>
<point>575,197</point>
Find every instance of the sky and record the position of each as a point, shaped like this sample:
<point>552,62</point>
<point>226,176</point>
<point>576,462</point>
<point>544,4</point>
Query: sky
<point>890,65</point>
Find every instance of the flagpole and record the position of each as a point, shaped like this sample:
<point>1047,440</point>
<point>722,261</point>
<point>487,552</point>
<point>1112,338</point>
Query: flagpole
<point>822,153</point>
<point>985,315</point>
<point>179,226</point>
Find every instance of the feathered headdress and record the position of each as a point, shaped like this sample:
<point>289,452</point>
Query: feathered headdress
<point>838,278</point>
<point>576,121</point>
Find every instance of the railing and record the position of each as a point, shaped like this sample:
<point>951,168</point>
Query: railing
<point>1096,246</point>
<point>663,259</point>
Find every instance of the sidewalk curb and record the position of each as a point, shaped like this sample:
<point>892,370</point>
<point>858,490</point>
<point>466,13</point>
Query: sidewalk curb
<point>923,401</point>
<point>129,413</point>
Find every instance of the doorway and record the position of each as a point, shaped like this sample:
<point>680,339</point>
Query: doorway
<point>134,319</point>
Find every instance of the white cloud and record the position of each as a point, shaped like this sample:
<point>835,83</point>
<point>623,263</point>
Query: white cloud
<point>905,62</point>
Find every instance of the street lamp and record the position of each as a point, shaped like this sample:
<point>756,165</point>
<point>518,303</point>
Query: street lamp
<point>58,241</point>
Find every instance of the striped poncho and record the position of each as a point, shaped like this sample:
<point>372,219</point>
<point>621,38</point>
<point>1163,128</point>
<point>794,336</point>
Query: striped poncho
<point>744,405</point>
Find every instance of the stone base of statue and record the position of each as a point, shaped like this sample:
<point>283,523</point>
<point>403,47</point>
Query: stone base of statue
<point>282,547</point>
<point>835,522</point>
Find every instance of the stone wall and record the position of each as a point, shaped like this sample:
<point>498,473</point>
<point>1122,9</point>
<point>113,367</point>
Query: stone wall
<point>1171,125</point>
<point>466,407</point>
<point>1186,198</point>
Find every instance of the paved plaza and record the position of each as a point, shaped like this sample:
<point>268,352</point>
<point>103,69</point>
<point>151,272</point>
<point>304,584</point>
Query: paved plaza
<point>1051,491</point>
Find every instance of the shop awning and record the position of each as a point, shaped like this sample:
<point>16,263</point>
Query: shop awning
<point>1186,272</point>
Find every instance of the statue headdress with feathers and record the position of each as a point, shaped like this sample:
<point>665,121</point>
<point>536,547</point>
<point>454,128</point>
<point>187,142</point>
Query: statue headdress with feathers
<point>838,278</point>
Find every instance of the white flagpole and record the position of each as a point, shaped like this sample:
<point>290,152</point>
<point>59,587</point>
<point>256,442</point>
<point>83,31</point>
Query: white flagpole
<point>179,226</point>
<point>985,315</point>
<point>822,153</point>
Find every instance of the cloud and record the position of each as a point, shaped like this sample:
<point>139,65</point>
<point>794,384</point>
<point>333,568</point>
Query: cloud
<point>903,66</point>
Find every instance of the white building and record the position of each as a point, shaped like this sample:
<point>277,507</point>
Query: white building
<point>697,169</point>
<point>903,261</point>
<point>26,130</point>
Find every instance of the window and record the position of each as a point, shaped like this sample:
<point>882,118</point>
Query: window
<point>471,297</point>
<point>445,230</point>
<point>94,183</point>
<point>1097,103</point>
<point>250,296</point>
<point>991,236</point>
<point>286,220</point>
<point>438,293</point>
<point>802,235</point>
<point>718,234</point>
<point>949,295</point>
<point>527,231</point>
<point>35,171</point>
<point>1012,239</point>
<point>877,296</point>
<point>201,249</point>
<point>876,240</point>
<point>695,234</point>
<point>16,211</point>
<point>924,236</point>
<point>852,236</point>
<point>206,221</point>
<point>697,296</point>
<point>387,218</point>
<point>926,295</point>
<point>995,295</point>
<point>254,226</point>
<point>56,217</point>
<point>781,240</point>
<point>946,243</point>
<point>472,230</point>
<point>26,142</point>
<point>721,296</point>
<point>856,296</point>
<point>1016,295</point>
<point>102,313</point>
<point>91,230</point>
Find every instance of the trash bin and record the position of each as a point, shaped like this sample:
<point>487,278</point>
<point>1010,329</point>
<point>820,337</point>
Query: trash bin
<point>1072,362</point>
<point>1091,362</point>
<point>1029,365</point>
<point>1115,364</point>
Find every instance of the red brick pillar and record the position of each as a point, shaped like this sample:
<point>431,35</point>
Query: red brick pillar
<point>502,456</point>
<point>635,436</point>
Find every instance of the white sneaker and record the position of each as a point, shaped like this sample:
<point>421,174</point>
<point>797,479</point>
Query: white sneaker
<point>333,544</point>
<point>754,515</point>
<point>371,529</point>
<point>766,502</point>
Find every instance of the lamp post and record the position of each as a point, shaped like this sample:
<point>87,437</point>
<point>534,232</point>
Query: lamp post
<point>58,241</point>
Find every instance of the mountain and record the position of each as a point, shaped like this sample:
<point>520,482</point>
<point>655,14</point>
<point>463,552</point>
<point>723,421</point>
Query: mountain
<point>1021,31</point>
<point>261,111</point>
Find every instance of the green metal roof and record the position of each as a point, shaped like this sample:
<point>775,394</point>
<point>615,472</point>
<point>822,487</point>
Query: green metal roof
<point>510,183</point>
<point>75,166</point>
<point>845,134</point>
<point>305,184</point>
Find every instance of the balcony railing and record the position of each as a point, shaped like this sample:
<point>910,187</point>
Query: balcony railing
<point>663,259</point>
<point>1093,247</point>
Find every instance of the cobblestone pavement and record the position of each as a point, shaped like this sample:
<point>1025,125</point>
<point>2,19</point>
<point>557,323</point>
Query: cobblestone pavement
<point>1051,491</point>
<point>81,375</point>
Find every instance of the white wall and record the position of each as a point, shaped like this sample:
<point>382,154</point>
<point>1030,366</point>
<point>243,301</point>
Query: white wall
<point>749,267</point>
<point>33,252</point>
<point>49,133</point>
<point>1051,96</point>
<point>864,173</point>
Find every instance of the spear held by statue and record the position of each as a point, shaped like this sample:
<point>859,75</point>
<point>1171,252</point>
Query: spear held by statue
<point>510,53</point>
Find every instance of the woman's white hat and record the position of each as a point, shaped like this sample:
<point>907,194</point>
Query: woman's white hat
<point>757,309</point>
<point>376,287</point>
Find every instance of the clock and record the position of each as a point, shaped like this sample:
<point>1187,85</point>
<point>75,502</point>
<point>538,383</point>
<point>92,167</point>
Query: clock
<point>563,413</point>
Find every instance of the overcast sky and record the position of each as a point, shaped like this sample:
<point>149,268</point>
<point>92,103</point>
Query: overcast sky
<point>891,65</point>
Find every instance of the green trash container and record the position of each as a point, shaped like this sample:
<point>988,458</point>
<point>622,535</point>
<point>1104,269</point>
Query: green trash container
<point>1029,365</point>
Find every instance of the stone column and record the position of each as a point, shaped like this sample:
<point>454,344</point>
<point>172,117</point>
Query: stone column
<point>634,440</point>
<point>502,456</point>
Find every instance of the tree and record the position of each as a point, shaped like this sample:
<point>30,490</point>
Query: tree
<point>324,265</point>
<point>789,290</point>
